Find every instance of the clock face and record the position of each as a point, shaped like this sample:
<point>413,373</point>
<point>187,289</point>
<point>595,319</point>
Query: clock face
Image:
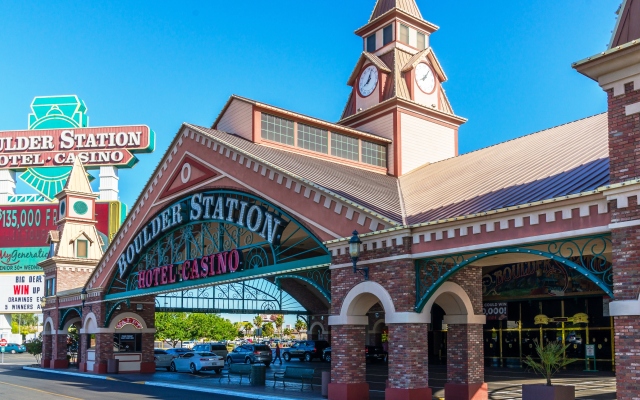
<point>63,208</point>
<point>80,207</point>
<point>425,79</point>
<point>368,80</point>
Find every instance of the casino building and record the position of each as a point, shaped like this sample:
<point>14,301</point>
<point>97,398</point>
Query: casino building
<point>464,260</point>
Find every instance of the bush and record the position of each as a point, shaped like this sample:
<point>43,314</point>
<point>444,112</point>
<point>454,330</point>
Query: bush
<point>34,347</point>
<point>551,360</point>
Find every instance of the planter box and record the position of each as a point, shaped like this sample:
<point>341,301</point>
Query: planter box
<point>541,391</point>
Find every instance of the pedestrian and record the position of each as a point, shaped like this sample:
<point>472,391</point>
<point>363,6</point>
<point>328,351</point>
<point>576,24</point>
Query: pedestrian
<point>277,354</point>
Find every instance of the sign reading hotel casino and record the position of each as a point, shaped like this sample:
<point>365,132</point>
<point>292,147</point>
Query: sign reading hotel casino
<point>205,207</point>
<point>24,229</point>
<point>21,293</point>
<point>95,147</point>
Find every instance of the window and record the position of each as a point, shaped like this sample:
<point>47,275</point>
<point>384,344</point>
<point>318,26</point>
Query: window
<point>50,287</point>
<point>127,342</point>
<point>387,34</point>
<point>422,41</point>
<point>313,139</point>
<point>404,34</point>
<point>344,146</point>
<point>371,43</point>
<point>374,154</point>
<point>82,248</point>
<point>277,129</point>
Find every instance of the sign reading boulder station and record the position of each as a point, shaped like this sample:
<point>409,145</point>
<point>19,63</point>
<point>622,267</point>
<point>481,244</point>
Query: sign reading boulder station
<point>111,146</point>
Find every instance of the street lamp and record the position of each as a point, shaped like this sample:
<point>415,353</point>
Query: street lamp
<point>354,252</point>
<point>83,298</point>
<point>43,304</point>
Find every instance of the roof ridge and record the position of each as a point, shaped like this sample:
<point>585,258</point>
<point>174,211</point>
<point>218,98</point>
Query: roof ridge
<point>499,143</point>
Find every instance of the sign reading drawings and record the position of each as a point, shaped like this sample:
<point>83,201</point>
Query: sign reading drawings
<point>214,207</point>
<point>59,147</point>
<point>129,321</point>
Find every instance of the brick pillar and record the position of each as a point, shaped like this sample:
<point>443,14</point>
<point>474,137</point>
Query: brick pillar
<point>408,362</point>
<point>104,352</point>
<point>465,350</point>
<point>59,353</point>
<point>82,352</point>
<point>45,361</point>
<point>348,363</point>
<point>148,365</point>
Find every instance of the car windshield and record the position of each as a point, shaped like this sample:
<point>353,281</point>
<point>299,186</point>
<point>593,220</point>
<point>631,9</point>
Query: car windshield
<point>218,347</point>
<point>261,347</point>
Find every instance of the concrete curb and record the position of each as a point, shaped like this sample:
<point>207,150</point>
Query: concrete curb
<point>163,384</point>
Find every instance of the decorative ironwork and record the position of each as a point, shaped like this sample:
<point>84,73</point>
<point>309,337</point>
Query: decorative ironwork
<point>320,279</point>
<point>586,255</point>
<point>65,314</point>
<point>112,306</point>
<point>291,246</point>
<point>256,296</point>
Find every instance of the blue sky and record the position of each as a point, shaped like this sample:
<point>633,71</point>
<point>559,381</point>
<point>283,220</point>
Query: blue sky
<point>162,63</point>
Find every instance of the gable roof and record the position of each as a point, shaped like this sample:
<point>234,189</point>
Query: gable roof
<point>383,6</point>
<point>365,56</point>
<point>431,56</point>
<point>627,25</point>
<point>373,191</point>
<point>568,159</point>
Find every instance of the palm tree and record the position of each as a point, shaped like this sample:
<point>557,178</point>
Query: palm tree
<point>279,322</point>
<point>257,321</point>
<point>300,326</point>
<point>248,326</point>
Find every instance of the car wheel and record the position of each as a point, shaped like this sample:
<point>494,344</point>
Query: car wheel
<point>307,357</point>
<point>287,357</point>
<point>247,361</point>
<point>13,352</point>
<point>327,358</point>
<point>218,371</point>
<point>267,364</point>
<point>229,360</point>
<point>172,367</point>
<point>193,369</point>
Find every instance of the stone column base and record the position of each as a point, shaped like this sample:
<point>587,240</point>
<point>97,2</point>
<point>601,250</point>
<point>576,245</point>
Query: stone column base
<point>59,364</point>
<point>466,391</point>
<point>147,367</point>
<point>45,363</point>
<point>349,391</point>
<point>408,394</point>
<point>100,368</point>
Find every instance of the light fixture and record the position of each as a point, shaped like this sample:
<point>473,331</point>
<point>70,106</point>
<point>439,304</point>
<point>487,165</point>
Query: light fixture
<point>83,297</point>
<point>354,252</point>
<point>43,304</point>
<point>139,307</point>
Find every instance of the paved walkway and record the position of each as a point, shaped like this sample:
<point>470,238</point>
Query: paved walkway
<point>503,383</point>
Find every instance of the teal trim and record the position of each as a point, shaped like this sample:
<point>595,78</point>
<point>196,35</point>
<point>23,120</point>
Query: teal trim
<point>315,262</point>
<point>110,310</point>
<point>560,251</point>
<point>327,295</point>
<point>58,112</point>
<point>65,313</point>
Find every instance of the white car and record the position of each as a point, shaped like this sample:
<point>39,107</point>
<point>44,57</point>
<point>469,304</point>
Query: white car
<point>162,358</point>
<point>195,362</point>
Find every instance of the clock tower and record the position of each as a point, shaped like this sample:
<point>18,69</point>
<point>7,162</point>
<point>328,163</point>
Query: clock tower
<point>397,88</point>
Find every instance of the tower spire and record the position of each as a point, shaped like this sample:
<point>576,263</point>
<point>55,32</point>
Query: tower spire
<point>383,6</point>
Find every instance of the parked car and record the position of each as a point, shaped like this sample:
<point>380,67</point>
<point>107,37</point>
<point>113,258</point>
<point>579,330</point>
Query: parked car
<point>14,348</point>
<point>195,362</point>
<point>326,354</point>
<point>177,351</point>
<point>162,359</point>
<point>250,354</point>
<point>217,348</point>
<point>189,344</point>
<point>305,350</point>
<point>372,353</point>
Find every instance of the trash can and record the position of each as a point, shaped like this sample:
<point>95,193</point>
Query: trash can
<point>326,379</point>
<point>258,375</point>
<point>113,366</point>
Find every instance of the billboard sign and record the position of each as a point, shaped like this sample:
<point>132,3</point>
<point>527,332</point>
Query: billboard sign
<point>21,293</point>
<point>24,230</point>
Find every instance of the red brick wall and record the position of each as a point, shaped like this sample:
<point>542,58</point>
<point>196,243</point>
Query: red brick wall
<point>396,276</point>
<point>470,279</point>
<point>408,356</point>
<point>60,347</point>
<point>46,349</point>
<point>624,134</point>
<point>465,362</point>
<point>347,354</point>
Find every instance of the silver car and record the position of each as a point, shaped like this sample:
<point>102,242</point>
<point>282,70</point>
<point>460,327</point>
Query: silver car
<point>250,354</point>
<point>162,358</point>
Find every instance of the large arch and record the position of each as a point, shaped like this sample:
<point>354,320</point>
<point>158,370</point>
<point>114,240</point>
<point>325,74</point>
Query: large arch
<point>456,304</point>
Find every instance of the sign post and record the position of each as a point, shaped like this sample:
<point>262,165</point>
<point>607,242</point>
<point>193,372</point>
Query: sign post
<point>3,343</point>
<point>590,353</point>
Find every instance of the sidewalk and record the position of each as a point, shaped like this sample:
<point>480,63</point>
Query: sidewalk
<point>208,383</point>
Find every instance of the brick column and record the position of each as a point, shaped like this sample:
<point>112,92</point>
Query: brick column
<point>82,352</point>
<point>104,352</point>
<point>45,361</point>
<point>348,363</point>
<point>465,350</point>
<point>59,353</point>
<point>408,362</point>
